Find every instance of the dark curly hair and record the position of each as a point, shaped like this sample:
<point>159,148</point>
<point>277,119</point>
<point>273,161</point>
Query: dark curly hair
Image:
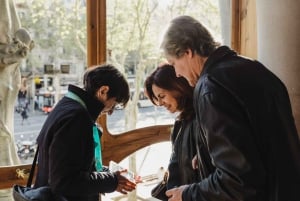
<point>107,74</point>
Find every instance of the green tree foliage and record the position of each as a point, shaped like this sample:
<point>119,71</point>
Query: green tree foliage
<point>58,27</point>
<point>134,29</point>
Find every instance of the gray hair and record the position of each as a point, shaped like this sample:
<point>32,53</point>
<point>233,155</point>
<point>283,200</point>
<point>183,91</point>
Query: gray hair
<point>185,32</point>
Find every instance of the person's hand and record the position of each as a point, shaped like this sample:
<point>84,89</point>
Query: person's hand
<point>138,179</point>
<point>124,185</point>
<point>175,194</point>
<point>195,162</point>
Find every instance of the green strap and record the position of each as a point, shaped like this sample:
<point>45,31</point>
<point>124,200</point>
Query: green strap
<point>96,136</point>
<point>98,155</point>
<point>76,98</point>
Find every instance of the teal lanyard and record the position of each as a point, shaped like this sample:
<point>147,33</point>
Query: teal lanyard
<point>96,134</point>
<point>98,156</point>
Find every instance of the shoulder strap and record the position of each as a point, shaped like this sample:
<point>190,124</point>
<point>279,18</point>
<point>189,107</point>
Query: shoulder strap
<point>29,182</point>
<point>76,98</point>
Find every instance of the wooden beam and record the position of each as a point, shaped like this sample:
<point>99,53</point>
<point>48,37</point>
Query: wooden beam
<point>116,147</point>
<point>17,174</point>
<point>244,27</point>
<point>248,29</point>
<point>236,25</point>
<point>96,32</point>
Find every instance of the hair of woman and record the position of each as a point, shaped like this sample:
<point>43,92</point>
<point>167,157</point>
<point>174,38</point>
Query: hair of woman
<point>165,78</point>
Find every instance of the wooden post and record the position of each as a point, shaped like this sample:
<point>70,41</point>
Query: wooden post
<point>243,28</point>
<point>96,32</point>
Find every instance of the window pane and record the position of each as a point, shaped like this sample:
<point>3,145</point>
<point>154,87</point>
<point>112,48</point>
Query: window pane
<point>58,58</point>
<point>134,30</point>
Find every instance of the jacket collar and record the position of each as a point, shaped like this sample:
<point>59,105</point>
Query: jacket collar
<point>94,106</point>
<point>216,56</point>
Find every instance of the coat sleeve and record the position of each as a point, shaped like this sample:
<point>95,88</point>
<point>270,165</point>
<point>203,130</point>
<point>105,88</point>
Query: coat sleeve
<point>239,173</point>
<point>173,167</point>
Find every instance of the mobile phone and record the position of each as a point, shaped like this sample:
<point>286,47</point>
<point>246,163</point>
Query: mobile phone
<point>113,166</point>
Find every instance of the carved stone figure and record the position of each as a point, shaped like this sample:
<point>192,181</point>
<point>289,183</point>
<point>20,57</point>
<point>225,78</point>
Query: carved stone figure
<point>15,44</point>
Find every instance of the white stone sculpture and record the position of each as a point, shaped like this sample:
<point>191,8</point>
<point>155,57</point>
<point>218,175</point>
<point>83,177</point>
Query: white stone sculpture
<point>15,44</point>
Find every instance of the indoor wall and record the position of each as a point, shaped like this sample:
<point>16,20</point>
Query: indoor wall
<point>278,31</point>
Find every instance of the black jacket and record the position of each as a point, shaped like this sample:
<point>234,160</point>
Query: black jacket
<point>66,151</point>
<point>246,122</point>
<point>184,149</point>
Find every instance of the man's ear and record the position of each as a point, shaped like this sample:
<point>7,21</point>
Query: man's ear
<point>189,53</point>
<point>102,93</point>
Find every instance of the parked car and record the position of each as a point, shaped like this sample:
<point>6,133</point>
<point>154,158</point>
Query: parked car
<point>142,102</point>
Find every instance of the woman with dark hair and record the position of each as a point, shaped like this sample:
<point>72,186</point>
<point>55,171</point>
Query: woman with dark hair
<point>174,93</point>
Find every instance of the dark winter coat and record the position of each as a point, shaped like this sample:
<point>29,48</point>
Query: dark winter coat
<point>246,123</point>
<point>66,151</point>
<point>184,150</point>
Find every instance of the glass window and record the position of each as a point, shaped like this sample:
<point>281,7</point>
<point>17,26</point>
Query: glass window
<point>134,31</point>
<point>58,58</point>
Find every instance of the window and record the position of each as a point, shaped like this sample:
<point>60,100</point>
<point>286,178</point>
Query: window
<point>133,31</point>
<point>133,39</point>
<point>58,29</point>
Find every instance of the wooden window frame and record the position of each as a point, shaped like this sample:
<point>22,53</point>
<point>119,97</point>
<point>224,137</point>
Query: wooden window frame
<point>243,29</point>
<point>96,32</point>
